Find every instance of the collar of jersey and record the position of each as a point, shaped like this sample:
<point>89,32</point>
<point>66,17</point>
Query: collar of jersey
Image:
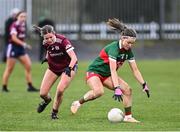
<point>120,46</point>
<point>55,39</point>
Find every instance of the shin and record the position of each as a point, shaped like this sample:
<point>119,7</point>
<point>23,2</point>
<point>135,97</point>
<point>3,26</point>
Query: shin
<point>127,98</point>
<point>57,100</point>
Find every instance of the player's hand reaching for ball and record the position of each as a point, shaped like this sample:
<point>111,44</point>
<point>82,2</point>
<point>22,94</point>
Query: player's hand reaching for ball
<point>146,89</point>
<point>118,94</point>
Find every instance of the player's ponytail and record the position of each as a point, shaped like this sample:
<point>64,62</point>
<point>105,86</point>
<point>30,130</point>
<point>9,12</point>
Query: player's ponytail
<point>117,25</point>
<point>38,29</point>
<point>44,30</point>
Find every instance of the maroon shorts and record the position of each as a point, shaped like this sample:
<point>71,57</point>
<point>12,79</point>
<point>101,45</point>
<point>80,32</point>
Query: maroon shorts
<point>57,73</point>
<point>92,74</point>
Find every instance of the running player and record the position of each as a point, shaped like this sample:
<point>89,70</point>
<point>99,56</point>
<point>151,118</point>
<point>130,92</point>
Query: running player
<point>62,62</point>
<point>103,71</point>
<point>16,50</point>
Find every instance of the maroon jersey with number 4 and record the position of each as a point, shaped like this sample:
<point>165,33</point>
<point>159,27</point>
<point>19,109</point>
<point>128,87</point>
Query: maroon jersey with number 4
<point>58,58</point>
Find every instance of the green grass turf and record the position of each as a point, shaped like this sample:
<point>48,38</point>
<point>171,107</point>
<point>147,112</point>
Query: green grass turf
<point>160,112</point>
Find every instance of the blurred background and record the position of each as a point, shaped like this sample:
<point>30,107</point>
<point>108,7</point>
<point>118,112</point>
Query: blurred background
<point>157,23</point>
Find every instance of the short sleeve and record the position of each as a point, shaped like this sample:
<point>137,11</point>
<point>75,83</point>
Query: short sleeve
<point>68,45</point>
<point>13,30</point>
<point>113,53</point>
<point>130,56</point>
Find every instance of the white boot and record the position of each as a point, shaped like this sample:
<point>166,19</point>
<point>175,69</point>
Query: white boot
<point>75,106</point>
<point>130,119</point>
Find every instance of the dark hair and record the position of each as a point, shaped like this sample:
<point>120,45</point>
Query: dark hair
<point>19,14</point>
<point>121,28</point>
<point>44,30</point>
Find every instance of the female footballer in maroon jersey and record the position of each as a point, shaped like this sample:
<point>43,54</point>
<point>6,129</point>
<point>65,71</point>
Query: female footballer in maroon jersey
<point>62,62</point>
<point>16,50</point>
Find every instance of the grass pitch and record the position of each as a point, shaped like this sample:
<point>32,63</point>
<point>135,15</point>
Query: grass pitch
<point>160,112</point>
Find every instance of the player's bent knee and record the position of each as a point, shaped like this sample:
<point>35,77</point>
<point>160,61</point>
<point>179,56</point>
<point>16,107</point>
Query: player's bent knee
<point>62,88</point>
<point>9,69</point>
<point>60,93</point>
<point>128,91</point>
<point>28,68</point>
<point>98,92</point>
<point>64,85</point>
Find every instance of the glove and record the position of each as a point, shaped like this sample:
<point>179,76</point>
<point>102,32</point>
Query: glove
<point>67,71</point>
<point>146,89</point>
<point>44,60</point>
<point>118,94</point>
<point>27,46</point>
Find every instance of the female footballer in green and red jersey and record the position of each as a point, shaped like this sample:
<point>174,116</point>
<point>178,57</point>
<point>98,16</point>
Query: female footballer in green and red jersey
<point>103,71</point>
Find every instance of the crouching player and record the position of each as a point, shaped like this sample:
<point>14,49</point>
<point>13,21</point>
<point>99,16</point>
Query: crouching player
<point>103,71</point>
<point>62,62</point>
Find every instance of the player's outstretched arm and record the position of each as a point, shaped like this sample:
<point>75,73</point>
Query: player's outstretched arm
<point>139,77</point>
